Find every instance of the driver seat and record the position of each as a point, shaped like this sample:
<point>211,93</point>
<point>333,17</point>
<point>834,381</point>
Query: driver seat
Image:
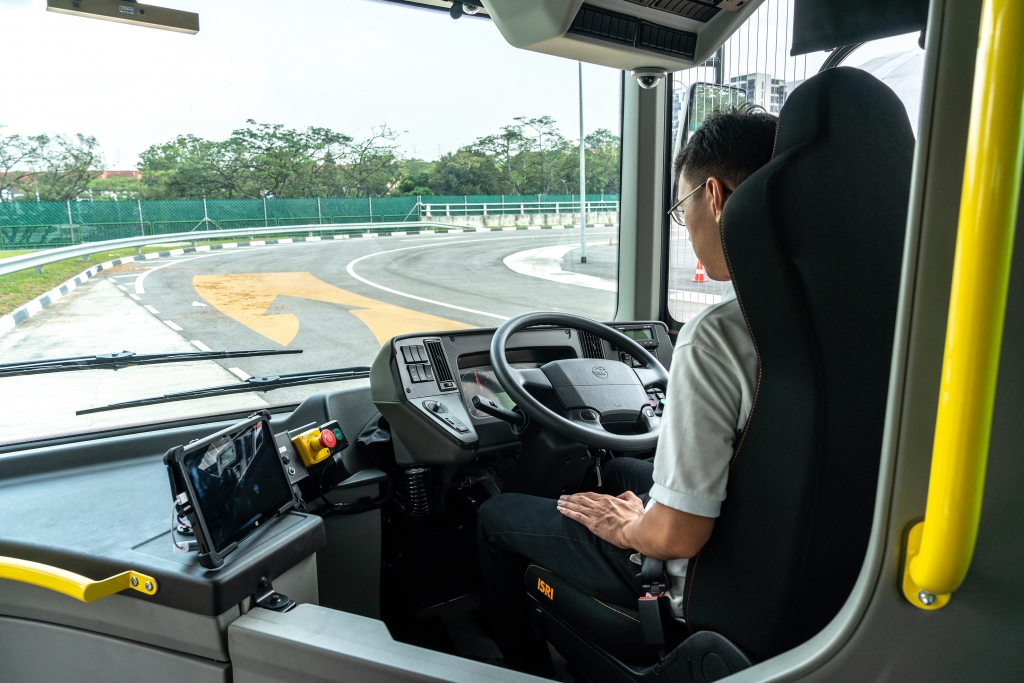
<point>814,243</point>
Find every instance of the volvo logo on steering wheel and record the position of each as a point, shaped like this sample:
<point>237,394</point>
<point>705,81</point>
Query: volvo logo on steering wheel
<point>599,372</point>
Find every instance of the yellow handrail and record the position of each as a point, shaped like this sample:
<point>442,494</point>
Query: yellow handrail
<point>939,549</point>
<point>74,585</point>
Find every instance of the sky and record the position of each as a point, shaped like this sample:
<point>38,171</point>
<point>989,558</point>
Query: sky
<point>348,65</point>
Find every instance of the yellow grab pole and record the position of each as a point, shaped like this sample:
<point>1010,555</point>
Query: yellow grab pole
<point>73,585</point>
<point>939,549</point>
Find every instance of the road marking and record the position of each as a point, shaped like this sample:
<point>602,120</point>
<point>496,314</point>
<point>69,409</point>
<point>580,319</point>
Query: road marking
<point>135,296</point>
<point>199,345</point>
<point>246,298</point>
<point>546,263</point>
<point>351,271</point>
<point>239,373</point>
<point>198,304</point>
<point>122,288</point>
<point>151,309</point>
<point>140,289</point>
<point>170,324</point>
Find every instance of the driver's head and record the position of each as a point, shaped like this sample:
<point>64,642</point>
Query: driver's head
<point>727,148</point>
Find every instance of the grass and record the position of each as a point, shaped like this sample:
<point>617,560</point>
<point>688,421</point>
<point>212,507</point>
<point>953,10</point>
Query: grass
<point>17,289</point>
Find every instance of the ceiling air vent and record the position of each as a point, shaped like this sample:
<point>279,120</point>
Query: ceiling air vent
<point>442,371</point>
<point>618,28</point>
<point>688,9</point>
<point>591,344</point>
<point>606,25</point>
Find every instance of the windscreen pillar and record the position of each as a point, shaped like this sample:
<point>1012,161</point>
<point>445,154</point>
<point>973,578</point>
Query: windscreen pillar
<point>642,199</point>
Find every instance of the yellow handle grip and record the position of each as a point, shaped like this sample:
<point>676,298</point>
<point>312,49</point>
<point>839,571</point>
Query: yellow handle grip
<point>939,550</point>
<point>71,584</point>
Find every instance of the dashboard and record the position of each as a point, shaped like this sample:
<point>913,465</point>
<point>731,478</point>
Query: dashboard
<point>424,383</point>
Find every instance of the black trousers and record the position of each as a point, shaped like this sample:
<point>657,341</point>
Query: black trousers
<point>516,529</point>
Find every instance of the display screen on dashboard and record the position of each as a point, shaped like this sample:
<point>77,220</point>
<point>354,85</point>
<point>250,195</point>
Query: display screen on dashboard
<point>638,334</point>
<point>239,484</point>
<point>481,380</point>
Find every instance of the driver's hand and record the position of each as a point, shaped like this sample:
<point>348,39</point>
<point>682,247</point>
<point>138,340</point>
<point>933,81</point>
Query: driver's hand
<point>604,515</point>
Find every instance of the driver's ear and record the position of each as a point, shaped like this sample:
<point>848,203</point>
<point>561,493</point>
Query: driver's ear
<point>716,189</point>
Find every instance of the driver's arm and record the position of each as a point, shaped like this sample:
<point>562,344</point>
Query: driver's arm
<point>662,532</point>
<point>665,533</point>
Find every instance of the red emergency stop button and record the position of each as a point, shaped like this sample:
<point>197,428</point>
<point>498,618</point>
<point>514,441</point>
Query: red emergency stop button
<point>327,439</point>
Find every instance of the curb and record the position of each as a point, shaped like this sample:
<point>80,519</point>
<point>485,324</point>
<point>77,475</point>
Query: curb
<point>33,307</point>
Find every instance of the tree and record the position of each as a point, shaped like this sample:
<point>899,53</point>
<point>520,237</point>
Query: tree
<point>18,156</point>
<point>64,167</point>
<point>189,167</point>
<point>465,172</point>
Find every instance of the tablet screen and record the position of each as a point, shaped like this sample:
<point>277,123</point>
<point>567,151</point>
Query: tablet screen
<point>239,484</point>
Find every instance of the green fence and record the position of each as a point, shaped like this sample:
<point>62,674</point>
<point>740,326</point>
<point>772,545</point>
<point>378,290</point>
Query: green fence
<point>38,225</point>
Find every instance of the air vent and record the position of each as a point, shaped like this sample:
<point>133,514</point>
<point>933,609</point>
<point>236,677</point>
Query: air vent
<point>618,28</point>
<point>591,344</point>
<point>688,9</point>
<point>606,25</point>
<point>442,371</point>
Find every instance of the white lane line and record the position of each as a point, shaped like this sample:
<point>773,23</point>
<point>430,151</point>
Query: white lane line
<point>199,345</point>
<point>170,324</point>
<point>239,373</point>
<point>351,271</point>
<point>122,288</point>
<point>198,304</point>
<point>135,296</point>
<point>140,289</point>
<point>151,309</point>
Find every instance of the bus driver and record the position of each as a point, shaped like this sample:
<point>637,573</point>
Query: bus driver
<point>664,509</point>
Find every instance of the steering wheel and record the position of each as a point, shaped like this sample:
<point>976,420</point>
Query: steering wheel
<point>595,395</point>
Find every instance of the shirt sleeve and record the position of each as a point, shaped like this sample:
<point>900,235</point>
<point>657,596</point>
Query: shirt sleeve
<point>698,432</point>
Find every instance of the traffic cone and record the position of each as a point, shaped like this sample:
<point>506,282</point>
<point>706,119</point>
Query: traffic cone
<point>699,275</point>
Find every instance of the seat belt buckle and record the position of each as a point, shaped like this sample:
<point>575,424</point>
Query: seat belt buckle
<point>654,607</point>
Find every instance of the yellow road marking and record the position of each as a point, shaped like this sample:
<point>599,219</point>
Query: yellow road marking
<point>247,297</point>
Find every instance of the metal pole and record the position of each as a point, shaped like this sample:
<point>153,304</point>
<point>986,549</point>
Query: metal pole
<point>264,209</point>
<point>142,226</point>
<point>583,181</point>
<point>206,216</point>
<point>319,218</point>
<point>371,208</point>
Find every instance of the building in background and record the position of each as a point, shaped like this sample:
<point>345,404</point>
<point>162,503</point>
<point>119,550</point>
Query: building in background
<point>763,90</point>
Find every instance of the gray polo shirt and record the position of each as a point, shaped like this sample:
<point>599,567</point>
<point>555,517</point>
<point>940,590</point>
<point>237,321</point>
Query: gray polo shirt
<point>710,392</point>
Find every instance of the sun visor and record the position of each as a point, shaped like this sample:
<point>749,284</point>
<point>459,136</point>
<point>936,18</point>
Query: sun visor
<point>825,24</point>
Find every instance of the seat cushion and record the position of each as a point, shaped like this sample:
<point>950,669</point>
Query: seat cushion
<point>613,628</point>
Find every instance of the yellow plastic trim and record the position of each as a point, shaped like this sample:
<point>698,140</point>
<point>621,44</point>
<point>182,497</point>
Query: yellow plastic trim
<point>71,584</point>
<point>977,306</point>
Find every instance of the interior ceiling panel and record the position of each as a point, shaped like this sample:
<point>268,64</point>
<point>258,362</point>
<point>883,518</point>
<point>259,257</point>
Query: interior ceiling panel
<point>825,24</point>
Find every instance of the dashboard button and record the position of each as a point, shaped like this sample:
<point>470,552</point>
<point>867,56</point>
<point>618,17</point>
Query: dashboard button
<point>407,354</point>
<point>649,411</point>
<point>588,415</point>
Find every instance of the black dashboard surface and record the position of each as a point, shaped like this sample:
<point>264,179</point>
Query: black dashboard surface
<point>101,520</point>
<point>102,505</point>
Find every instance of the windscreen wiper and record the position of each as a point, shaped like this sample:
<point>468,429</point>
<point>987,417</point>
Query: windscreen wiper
<point>251,384</point>
<point>124,359</point>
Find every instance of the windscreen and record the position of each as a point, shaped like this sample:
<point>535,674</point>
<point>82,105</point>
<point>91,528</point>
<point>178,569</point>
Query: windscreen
<point>238,484</point>
<point>302,201</point>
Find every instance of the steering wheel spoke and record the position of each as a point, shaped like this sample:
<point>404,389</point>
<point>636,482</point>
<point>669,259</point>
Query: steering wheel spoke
<point>652,377</point>
<point>534,379</point>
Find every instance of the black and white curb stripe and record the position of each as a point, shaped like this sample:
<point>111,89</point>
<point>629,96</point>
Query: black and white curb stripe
<point>23,313</point>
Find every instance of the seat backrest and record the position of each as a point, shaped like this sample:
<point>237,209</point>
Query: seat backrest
<point>814,242</point>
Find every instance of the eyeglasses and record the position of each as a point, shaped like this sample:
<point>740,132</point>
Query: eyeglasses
<point>676,212</point>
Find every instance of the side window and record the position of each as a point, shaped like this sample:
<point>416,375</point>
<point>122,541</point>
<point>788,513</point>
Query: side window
<point>755,66</point>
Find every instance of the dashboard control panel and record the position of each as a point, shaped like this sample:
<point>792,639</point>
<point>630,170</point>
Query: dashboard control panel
<point>436,375</point>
